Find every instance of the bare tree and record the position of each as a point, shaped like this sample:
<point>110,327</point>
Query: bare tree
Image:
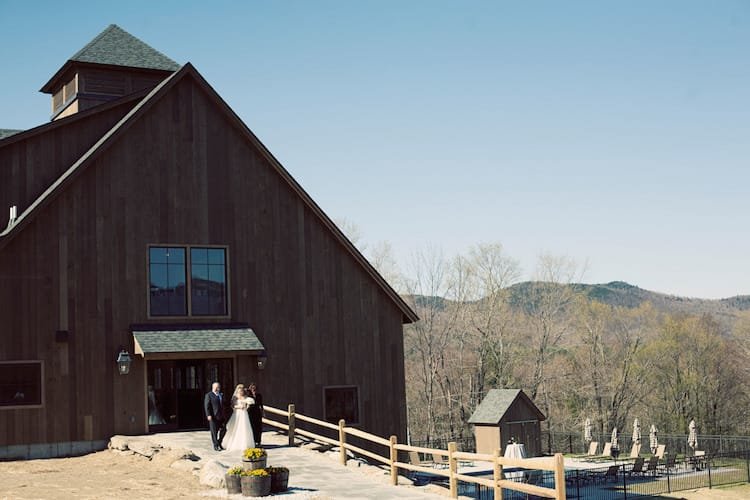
<point>427,341</point>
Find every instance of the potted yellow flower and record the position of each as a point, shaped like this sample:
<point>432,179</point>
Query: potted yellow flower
<point>232,480</point>
<point>254,458</point>
<point>255,483</point>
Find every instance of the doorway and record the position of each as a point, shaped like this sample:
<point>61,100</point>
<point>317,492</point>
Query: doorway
<point>176,389</point>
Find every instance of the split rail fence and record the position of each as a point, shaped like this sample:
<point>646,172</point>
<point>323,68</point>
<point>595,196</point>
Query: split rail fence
<point>391,449</point>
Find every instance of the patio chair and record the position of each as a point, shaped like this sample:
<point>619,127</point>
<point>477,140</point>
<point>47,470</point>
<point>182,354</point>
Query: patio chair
<point>653,465</point>
<point>660,449</point>
<point>635,450</point>
<point>698,460</point>
<point>607,451</point>
<point>415,460</point>
<point>611,474</point>
<point>670,461</point>
<point>593,446</point>
<point>534,477</point>
<point>637,466</point>
<point>439,460</point>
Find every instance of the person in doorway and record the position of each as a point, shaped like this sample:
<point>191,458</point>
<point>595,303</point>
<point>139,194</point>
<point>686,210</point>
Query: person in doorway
<point>213,405</point>
<point>255,412</point>
<point>239,432</point>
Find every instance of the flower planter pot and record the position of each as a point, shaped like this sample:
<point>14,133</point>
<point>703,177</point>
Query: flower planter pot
<point>256,486</point>
<point>279,481</point>
<point>254,464</point>
<point>234,485</point>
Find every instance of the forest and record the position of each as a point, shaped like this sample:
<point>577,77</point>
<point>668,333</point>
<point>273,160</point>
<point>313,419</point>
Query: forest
<point>609,353</point>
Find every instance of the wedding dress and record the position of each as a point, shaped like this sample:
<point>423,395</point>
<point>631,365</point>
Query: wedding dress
<point>239,434</point>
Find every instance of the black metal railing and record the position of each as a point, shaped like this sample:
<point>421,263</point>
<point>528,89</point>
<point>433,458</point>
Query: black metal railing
<point>467,443</point>
<point>565,442</point>
<point>620,480</point>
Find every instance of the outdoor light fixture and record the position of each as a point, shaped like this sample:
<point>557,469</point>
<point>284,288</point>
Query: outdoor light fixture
<point>123,361</point>
<point>262,359</point>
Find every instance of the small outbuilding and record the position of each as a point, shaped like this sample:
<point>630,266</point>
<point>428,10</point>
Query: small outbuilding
<point>504,415</point>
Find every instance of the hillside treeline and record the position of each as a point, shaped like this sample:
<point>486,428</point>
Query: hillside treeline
<point>574,355</point>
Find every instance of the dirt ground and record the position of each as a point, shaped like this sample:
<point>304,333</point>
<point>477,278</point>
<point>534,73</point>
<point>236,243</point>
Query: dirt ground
<point>740,492</point>
<point>106,474</point>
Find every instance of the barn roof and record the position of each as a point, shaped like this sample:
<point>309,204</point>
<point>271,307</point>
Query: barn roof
<point>116,47</point>
<point>496,404</point>
<point>7,132</point>
<point>108,138</point>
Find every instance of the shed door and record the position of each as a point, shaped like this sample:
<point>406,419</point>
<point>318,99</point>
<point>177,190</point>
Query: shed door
<point>526,432</point>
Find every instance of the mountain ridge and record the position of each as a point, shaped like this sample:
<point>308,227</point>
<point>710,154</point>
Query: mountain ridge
<point>623,294</point>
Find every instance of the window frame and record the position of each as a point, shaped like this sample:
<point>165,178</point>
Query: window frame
<point>359,403</point>
<point>41,385</point>
<point>188,282</point>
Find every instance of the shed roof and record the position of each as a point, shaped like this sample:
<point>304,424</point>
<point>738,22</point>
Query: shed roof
<point>496,404</point>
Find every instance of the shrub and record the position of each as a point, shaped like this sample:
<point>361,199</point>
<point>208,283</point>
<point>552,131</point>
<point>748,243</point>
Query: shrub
<point>235,471</point>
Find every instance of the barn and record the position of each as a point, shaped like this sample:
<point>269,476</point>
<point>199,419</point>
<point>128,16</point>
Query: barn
<point>147,223</point>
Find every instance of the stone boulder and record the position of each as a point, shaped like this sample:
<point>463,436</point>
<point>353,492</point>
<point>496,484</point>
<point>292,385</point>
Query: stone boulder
<point>167,456</point>
<point>118,443</point>
<point>212,474</point>
<point>144,447</point>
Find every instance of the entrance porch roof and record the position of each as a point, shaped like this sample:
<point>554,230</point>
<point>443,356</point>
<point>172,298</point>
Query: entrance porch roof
<point>162,339</point>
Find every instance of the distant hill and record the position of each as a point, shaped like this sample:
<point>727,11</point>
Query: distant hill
<point>619,293</point>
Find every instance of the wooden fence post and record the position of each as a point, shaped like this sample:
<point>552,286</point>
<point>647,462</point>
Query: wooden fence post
<point>559,476</point>
<point>291,425</point>
<point>452,469</point>
<point>497,475</point>
<point>394,459</point>
<point>342,441</point>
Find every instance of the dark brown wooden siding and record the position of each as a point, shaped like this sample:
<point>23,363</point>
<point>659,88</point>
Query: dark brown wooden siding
<point>29,166</point>
<point>182,174</point>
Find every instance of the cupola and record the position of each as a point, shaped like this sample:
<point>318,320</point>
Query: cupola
<point>112,65</point>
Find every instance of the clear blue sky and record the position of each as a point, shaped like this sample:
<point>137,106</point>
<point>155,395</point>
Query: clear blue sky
<point>616,133</point>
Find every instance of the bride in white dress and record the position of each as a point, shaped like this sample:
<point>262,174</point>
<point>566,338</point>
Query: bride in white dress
<point>239,434</point>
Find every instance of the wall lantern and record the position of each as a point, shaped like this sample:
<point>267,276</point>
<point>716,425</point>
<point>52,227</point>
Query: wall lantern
<point>262,360</point>
<point>123,362</point>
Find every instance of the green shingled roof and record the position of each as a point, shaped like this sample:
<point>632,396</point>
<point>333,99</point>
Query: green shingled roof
<point>7,132</point>
<point>194,340</point>
<point>117,47</point>
<point>496,403</point>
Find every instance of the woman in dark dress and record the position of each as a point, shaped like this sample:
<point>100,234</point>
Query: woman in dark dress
<point>255,412</point>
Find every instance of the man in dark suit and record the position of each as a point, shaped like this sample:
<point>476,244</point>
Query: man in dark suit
<point>255,412</point>
<point>213,404</point>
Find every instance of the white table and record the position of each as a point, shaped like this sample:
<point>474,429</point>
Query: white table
<point>515,450</point>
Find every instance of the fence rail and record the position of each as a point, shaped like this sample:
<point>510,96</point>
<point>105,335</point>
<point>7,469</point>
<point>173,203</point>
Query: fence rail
<point>550,465</point>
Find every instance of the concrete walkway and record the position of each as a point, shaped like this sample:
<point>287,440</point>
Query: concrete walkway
<point>312,474</point>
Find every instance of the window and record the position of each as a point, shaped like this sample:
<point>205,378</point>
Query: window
<point>171,293</point>
<point>341,403</point>
<point>208,279</point>
<point>20,383</point>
